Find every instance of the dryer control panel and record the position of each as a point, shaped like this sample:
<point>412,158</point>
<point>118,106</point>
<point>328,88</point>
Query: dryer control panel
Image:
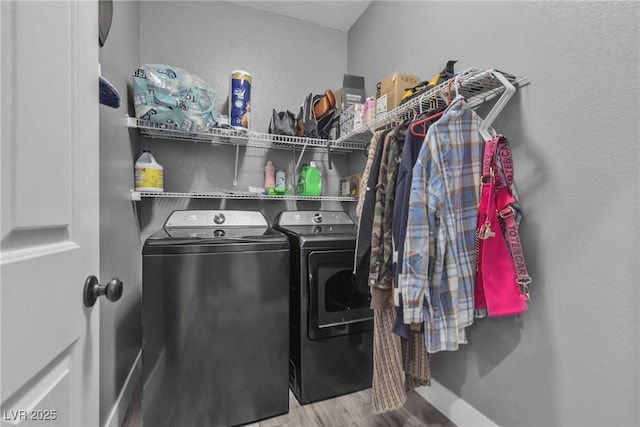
<point>289,218</point>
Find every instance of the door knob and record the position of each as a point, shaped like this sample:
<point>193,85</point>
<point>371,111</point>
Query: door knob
<point>93,290</point>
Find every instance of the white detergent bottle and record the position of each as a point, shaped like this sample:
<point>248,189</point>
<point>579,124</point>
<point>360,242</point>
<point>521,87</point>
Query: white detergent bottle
<point>149,175</point>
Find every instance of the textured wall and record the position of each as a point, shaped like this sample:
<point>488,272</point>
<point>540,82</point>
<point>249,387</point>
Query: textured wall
<point>573,358</point>
<point>286,58</point>
<point>120,323</point>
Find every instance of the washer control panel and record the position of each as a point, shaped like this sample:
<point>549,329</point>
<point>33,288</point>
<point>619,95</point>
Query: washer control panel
<point>215,218</point>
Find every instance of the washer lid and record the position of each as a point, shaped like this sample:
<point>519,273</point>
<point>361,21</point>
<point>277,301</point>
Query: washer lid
<point>214,239</point>
<point>317,225</point>
<point>214,230</point>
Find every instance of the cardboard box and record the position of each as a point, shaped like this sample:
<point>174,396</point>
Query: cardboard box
<point>351,119</point>
<point>391,89</point>
<point>351,92</point>
<point>349,185</point>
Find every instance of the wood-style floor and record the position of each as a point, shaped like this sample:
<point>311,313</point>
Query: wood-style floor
<point>352,410</point>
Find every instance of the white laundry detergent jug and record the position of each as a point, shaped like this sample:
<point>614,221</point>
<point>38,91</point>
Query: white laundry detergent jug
<point>149,174</point>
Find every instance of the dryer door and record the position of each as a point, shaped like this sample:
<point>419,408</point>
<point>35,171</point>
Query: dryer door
<point>336,305</point>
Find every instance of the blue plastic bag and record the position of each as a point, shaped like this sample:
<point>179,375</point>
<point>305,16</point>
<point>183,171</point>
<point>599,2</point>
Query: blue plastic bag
<point>171,96</point>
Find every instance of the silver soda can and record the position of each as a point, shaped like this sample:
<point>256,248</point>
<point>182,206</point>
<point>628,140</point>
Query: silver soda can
<point>240,98</point>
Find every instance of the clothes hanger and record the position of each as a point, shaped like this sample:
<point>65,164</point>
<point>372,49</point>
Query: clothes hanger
<point>498,106</point>
<point>420,122</point>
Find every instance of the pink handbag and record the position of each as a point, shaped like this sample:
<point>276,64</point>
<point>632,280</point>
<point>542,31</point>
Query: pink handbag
<point>502,279</point>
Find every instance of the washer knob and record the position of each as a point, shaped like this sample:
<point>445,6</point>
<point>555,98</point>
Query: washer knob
<point>317,218</point>
<point>218,218</point>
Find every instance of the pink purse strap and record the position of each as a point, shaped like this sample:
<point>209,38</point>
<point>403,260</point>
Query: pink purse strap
<point>504,202</point>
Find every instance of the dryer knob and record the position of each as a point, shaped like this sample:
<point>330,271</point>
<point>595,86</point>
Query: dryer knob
<point>218,218</point>
<point>317,218</point>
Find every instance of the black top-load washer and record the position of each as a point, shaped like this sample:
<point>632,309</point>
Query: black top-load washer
<point>331,324</point>
<point>215,309</point>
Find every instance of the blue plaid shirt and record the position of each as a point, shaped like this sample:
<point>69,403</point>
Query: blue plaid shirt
<point>439,264</point>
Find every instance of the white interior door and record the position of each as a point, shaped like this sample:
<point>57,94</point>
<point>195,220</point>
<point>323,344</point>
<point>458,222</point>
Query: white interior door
<point>50,224</point>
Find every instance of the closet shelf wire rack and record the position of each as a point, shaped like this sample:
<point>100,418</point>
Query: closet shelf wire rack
<point>248,138</point>
<point>476,85</point>
<point>136,196</point>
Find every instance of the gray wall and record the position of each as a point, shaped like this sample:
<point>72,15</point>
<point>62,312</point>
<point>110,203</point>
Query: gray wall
<point>287,59</point>
<point>120,326</point>
<point>572,359</point>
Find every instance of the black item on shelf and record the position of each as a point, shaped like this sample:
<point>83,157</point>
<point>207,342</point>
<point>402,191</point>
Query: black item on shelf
<point>424,86</point>
<point>308,118</point>
<point>282,123</point>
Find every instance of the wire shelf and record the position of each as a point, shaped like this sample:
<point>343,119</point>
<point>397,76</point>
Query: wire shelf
<point>138,195</point>
<point>220,136</point>
<point>477,86</point>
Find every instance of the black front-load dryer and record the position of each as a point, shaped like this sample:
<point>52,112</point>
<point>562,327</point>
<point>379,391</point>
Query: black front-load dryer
<point>331,326</point>
<point>215,311</point>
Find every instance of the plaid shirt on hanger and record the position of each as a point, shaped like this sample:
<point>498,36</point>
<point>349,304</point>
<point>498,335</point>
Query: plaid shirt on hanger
<point>439,265</point>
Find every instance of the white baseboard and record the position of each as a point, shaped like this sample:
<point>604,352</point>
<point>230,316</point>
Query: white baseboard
<point>119,410</point>
<point>453,406</point>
